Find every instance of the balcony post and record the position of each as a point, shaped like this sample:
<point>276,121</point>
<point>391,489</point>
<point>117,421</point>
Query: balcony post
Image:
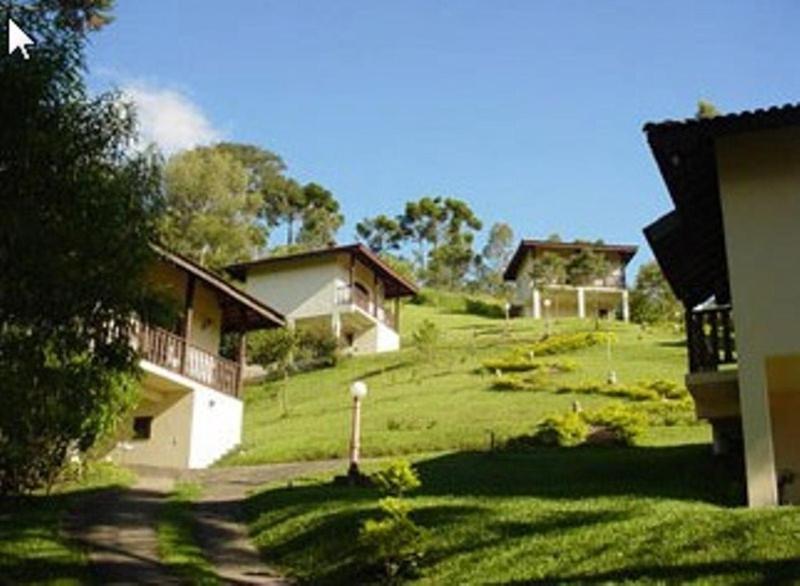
<point>581,303</point>
<point>242,363</point>
<point>626,308</point>
<point>188,317</point>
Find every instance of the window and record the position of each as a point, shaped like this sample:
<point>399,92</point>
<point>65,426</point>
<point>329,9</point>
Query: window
<point>142,427</point>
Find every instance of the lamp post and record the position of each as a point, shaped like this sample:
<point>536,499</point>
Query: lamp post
<point>548,325</point>
<point>358,390</point>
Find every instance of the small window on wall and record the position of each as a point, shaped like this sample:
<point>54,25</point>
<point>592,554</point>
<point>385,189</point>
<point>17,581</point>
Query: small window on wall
<point>142,427</point>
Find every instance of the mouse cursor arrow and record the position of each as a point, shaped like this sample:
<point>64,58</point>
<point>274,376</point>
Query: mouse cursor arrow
<point>18,39</point>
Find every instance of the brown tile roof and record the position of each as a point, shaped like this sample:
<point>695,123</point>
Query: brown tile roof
<point>689,243</point>
<point>737,122</point>
<point>395,284</point>
<point>239,309</point>
<point>625,251</point>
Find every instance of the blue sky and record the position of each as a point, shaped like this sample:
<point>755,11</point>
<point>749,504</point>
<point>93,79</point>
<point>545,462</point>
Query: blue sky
<point>531,111</point>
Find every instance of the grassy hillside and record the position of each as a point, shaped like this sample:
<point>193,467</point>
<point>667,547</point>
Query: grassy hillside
<point>645,515</point>
<point>439,400</point>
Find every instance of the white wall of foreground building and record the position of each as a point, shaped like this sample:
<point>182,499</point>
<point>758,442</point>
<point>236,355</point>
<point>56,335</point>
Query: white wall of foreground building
<point>759,176</point>
<point>380,338</point>
<point>216,426</point>
<point>192,424</point>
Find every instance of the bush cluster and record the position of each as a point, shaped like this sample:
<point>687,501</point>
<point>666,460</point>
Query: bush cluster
<point>657,390</point>
<point>519,363</point>
<point>392,544</point>
<point>282,350</point>
<point>563,343</point>
<point>614,424</point>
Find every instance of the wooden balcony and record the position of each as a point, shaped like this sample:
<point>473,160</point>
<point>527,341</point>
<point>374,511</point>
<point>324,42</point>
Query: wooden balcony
<point>353,296</point>
<point>710,339</point>
<point>176,354</point>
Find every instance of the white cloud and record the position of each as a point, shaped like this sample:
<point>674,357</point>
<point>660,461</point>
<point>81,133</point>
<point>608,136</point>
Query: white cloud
<point>169,118</point>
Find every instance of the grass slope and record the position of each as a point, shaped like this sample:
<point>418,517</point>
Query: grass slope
<point>420,403</point>
<point>655,514</point>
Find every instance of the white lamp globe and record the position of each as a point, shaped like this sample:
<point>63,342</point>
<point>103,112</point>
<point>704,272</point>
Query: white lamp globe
<point>358,389</point>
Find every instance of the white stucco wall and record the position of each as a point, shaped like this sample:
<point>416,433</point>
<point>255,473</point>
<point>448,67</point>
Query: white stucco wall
<point>759,175</point>
<point>298,290</point>
<point>192,427</point>
<point>216,426</point>
<point>380,338</point>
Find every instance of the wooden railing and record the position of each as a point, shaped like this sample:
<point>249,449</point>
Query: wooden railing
<point>355,296</point>
<point>710,338</point>
<point>174,353</point>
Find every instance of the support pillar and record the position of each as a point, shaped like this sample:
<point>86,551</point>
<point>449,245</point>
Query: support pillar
<point>397,314</point>
<point>759,453</point>
<point>537,304</point>
<point>336,325</point>
<point>626,308</point>
<point>581,303</point>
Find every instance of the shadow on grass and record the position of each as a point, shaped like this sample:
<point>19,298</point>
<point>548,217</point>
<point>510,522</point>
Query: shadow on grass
<point>34,546</point>
<point>332,515</point>
<point>758,572</point>
<point>673,343</point>
<point>687,472</point>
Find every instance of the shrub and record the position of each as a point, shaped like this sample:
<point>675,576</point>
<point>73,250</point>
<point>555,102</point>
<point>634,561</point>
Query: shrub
<point>569,429</point>
<point>484,308</point>
<point>392,543</point>
<point>669,413</point>
<point>426,336</point>
<point>616,424</point>
<point>666,389</point>
<point>563,343</point>
<point>509,383</point>
<point>397,478</point>
<point>282,350</point>
<point>631,392</point>
<point>519,363</point>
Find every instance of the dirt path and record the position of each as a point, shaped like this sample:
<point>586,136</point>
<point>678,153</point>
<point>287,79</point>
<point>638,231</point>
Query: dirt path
<point>219,513</point>
<point>118,529</point>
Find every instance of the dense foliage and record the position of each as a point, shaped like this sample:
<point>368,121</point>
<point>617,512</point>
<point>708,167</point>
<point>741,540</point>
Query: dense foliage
<point>78,208</point>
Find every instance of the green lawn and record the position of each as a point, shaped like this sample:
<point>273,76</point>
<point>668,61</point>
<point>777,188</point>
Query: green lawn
<point>421,403</point>
<point>572,515</point>
<point>33,545</point>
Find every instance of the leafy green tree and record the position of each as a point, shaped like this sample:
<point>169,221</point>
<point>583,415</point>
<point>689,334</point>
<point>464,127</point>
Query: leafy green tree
<point>381,233</point>
<point>453,234</point>
<point>549,268</point>
<point>78,208</point>
<point>494,257</point>
<point>584,267</point>
<point>421,223</point>
<point>321,215</point>
<point>283,204</point>
<point>211,215</point>
<point>706,109</point>
<point>652,299</point>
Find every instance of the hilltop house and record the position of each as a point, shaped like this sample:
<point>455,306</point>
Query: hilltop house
<point>728,250</point>
<point>190,413</point>
<point>342,289</point>
<point>604,296</point>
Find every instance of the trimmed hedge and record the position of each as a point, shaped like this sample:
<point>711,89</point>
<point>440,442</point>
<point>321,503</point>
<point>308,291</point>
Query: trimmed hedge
<point>525,364</point>
<point>563,343</point>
